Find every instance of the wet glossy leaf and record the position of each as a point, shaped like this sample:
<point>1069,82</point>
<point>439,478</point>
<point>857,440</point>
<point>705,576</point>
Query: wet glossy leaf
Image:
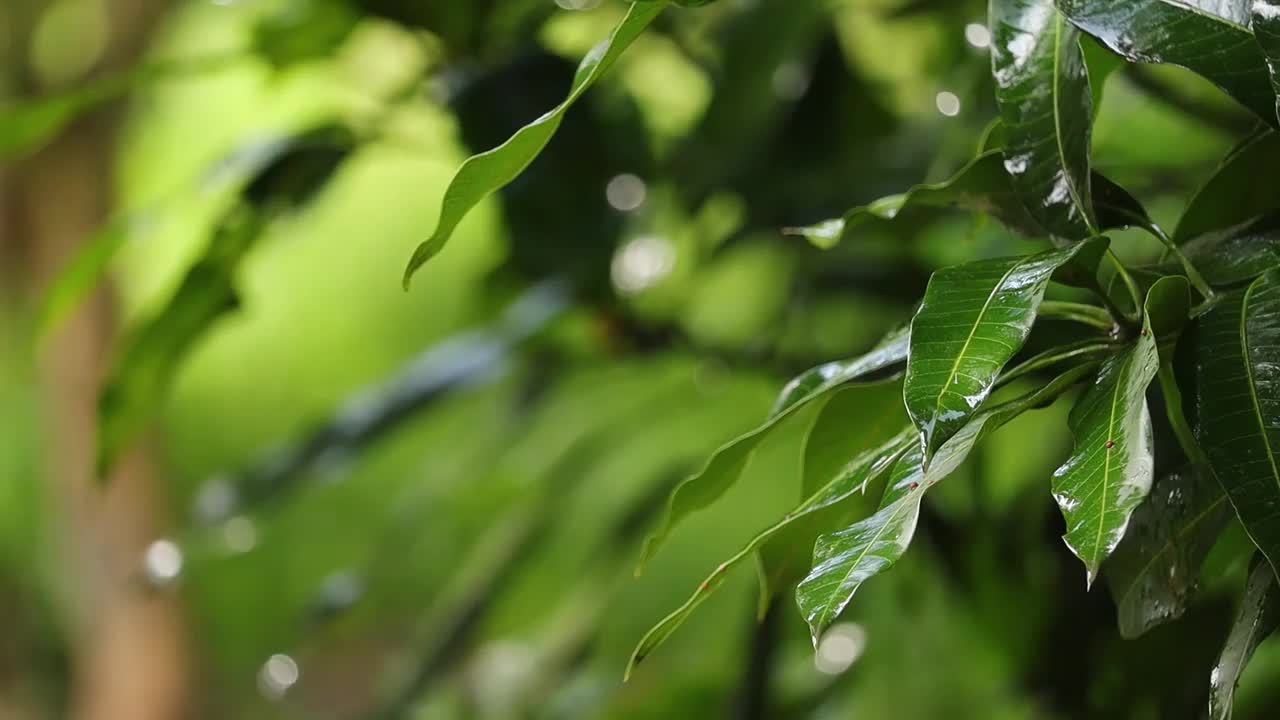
<point>1238,254</point>
<point>1239,405</point>
<point>1257,618</point>
<point>1266,28</point>
<point>974,319</point>
<point>1042,88</point>
<point>983,186</point>
<point>485,173</point>
<point>1232,195</point>
<point>852,421</point>
<point>727,463</point>
<point>1208,37</point>
<point>845,559</point>
<point>1110,469</point>
<point>1154,569</point>
<point>870,445</point>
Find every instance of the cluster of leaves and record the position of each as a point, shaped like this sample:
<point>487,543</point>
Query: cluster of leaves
<point>1207,327</point>
<point>1195,337</point>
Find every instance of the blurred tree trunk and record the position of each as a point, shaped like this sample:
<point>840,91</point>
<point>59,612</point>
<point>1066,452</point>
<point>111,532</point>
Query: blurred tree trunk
<point>129,655</point>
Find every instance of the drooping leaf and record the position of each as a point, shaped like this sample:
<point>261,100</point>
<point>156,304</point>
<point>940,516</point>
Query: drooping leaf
<point>1153,571</point>
<point>1239,405</point>
<point>1266,28</point>
<point>1208,37</point>
<point>1042,88</point>
<point>1233,196</point>
<point>845,559</point>
<point>1110,470</point>
<point>872,444</point>
<point>983,186</point>
<point>1257,618</point>
<point>852,421</point>
<point>727,463</point>
<point>974,319</point>
<point>485,173</point>
<point>1238,254</point>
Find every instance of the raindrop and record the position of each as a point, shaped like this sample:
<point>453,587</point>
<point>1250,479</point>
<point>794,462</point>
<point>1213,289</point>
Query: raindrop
<point>216,499</point>
<point>162,562</point>
<point>948,103</point>
<point>977,35</point>
<point>790,81</point>
<point>278,674</point>
<point>840,648</point>
<point>625,192</point>
<point>642,262</point>
<point>240,535</point>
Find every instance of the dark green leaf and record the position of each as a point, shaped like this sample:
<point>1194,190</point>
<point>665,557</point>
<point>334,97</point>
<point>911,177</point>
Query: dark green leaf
<point>727,463</point>
<point>1232,195</point>
<point>844,560</point>
<point>1266,28</point>
<point>1153,571</point>
<point>1257,618</point>
<point>983,185</point>
<point>974,319</point>
<point>1110,470</point>
<point>870,445</point>
<point>1238,254</point>
<point>485,173</point>
<point>1208,37</point>
<point>1042,87</point>
<point>1239,405</point>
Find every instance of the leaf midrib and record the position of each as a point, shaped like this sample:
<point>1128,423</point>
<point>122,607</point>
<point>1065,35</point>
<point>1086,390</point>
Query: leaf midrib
<point>1187,529</point>
<point>1057,125</point>
<point>1247,359</point>
<point>964,349</point>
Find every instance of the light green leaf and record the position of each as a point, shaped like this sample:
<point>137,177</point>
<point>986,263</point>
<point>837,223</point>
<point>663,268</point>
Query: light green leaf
<point>974,319</point>
<point>845,559</point>
<point>1239,405</point>
<point>1257,618</point>
<point>1208,37</point>
<point>1154,569</point>
<point>727,463</point>
<point>1042,88</point>
<point>983,186</point>
<point>871,446</point>
<point>1110,470</point>
<point>485,173</point>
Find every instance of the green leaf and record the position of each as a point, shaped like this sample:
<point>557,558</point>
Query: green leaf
<point>1232,195</point>
<point>1208,37</point>
<point>1238,254</point>
<point>485,173</point>
<point>1110,470</point>
<point>1257,618</point>
<point>1266,28</point>
<point>974,319</point>
<point>727,463</point>
<point>1239,405</point>
<point>1154,569</point>
<point>149,360</point>
<point>845,559</point>
<point>870,446</point>
<point>853,420</point>
<point>1042,88</point>
<point>983,185</point>
<point>232,172</point>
